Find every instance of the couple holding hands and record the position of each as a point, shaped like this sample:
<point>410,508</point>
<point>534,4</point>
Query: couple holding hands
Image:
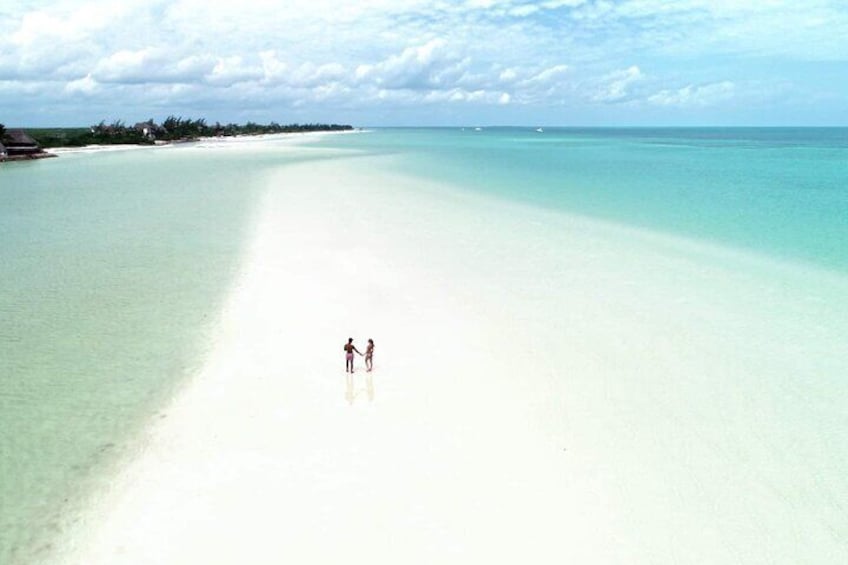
<point>369,355</point>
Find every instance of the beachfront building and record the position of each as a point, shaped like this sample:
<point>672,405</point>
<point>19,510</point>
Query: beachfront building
<point>149,129</point>
<point>19,144</point>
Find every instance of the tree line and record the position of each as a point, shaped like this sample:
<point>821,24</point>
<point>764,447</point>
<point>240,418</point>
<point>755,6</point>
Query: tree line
<point>173,128</point>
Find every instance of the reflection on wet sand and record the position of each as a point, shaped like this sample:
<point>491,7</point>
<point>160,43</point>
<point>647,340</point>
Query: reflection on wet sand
<point>351,392</point>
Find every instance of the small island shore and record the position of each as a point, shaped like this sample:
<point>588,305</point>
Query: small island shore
<point>19,145</point>
<point>171,130</point>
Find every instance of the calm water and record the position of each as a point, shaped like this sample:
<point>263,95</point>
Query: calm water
<point>112,271</point>
<point>778,191</point>
<point>113,266</point>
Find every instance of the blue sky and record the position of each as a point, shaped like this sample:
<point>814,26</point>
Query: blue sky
<point>415,62</point>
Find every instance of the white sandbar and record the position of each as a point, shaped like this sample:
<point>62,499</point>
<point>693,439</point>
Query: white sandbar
<point>547,390</point>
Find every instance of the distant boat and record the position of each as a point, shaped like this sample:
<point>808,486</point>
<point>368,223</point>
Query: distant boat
<point>478,129</point>
<point>540,130</point>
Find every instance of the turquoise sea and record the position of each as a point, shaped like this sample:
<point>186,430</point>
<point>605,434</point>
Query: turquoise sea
<point>114,265</point>
<point>777,191</point>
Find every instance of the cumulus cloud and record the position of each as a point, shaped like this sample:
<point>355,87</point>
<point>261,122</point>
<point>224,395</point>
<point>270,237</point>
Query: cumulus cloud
<point>554,4</point>
<point>546,85</point>
<point>311,75</point>
<point>547,76</point>
<point>505,53</point>
<point>508,75</point>
<point>84,85</point>
<point>227,70</point>
<point>332,91</point>
<point>303,75</point>
<point>615,87</point>
<point>431,65</point>
<point>520,8</point>
<point>273,69</point>
<point>524,10</point>
<point>692,96</point>
<point>84,20</point>
<point>454,95</point>
<point>151,65</point>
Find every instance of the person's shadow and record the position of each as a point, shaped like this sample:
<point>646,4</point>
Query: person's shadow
<point>351,392</point>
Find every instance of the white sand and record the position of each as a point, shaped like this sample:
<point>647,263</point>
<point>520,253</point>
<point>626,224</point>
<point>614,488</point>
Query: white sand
<point>94,148</point>
<point>233,142</point>
<point>576,394</point>
<point>266,139</point>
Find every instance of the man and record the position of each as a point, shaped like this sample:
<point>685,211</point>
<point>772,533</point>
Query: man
<point>349,349</point>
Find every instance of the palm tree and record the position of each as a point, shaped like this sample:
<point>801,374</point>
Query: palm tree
<point>2,131</point>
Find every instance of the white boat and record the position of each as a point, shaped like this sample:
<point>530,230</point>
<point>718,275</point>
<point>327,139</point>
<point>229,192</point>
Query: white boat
<point>540,130</point>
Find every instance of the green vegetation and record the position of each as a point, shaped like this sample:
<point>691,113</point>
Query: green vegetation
<point>172,129</point>
<point>58,137</point>
<point>2,132</point>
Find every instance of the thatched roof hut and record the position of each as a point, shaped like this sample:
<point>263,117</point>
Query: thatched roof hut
<point>18,142</point>
<point>20,146</point>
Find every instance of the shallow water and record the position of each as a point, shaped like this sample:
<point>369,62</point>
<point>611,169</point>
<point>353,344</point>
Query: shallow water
<point>113,267</point>
<point>708,311</point>
<point>777,191</point>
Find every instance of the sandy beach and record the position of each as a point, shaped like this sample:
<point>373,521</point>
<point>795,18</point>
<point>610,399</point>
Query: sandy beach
<point>562,397</point>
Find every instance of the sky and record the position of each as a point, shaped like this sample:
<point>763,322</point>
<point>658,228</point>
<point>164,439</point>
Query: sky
<point>426,62</point>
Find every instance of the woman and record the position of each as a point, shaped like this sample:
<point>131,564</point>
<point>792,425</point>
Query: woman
<point>369,355</point>
<point>349,349</point>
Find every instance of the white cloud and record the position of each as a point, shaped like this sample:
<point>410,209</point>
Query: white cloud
<point>615,86</point>
<point>431,65</point>
<point>694,96</point>
<point>460,95</point>
<point>544,86</point>
<point>554,4</point>
<point>274,70</point>
<point>68,23</point>
<point>484,4</point>
<point>523,10</point>
<point>231,70</point>
<point>331,91</point>
<point>508,75</point>
<point>311,75</point>
<point>519,8</point>
<point>85,85</point>
<point>549,75</point>
<point>375,53</point>
<point>153,65</point>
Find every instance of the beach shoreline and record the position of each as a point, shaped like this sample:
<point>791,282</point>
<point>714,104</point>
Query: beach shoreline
<point>205,142</point>
<point>294,137</point>
<point>231,427</point>
<point>527,397</point>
